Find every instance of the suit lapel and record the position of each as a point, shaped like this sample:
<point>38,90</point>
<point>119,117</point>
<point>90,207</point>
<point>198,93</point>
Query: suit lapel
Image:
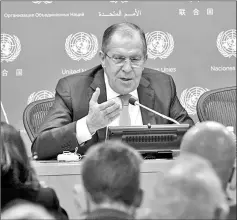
<point>99,82</point>
<point>146,97</point>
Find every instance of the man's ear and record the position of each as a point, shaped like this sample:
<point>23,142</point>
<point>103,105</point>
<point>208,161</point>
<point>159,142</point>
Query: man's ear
<point>221,213</point>
<point>232,181</point>
<point>138,199</point>
<point>102,58</point>
<point>146,57</point>
<point>80,198</point>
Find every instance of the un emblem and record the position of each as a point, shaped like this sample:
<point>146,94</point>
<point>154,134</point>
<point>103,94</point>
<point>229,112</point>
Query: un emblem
<point>81,46</point>
<point>43,94</point>
<point>189,98</point>
<point>159,44</point>
<point>10,47</point>
<point>226,43</point>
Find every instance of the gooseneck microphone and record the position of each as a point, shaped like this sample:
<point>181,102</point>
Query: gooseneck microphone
<point>134,101</point>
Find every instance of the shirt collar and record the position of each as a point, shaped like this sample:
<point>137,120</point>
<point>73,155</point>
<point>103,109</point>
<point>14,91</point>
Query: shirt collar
<point>111,93</point>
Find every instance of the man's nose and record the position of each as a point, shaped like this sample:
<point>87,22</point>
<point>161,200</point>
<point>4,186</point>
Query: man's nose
<point>127,67</point>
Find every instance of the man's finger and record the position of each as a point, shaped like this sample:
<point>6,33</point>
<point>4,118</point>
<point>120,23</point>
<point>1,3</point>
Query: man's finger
<point>106,104</point>
<point>111,109</point>
<point>114,117</point>
<point>114,113</point>
<point>95,95</point>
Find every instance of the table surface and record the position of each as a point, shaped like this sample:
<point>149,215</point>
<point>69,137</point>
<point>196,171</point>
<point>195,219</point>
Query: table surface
<point>63,176</point>
<point>54,168</point>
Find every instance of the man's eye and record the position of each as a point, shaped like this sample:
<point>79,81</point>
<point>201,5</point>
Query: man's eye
<point>135,59</point>
<point>118,58</point>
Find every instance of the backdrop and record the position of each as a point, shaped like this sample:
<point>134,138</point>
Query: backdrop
<point>43,41</point>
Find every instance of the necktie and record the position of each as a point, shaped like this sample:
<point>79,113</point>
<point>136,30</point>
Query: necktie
<point>125,119</point>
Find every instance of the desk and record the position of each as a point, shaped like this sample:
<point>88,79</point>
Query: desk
<point>63,176</point>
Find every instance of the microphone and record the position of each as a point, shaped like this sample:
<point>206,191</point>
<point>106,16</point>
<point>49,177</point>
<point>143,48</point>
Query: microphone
<point>134,101</point>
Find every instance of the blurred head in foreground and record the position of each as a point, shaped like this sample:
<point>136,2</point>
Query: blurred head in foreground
<point>18,177</point>
<point>16,170</point>
<point>111,177</point>
<point>190,189</point>
<point>215,143</point>
<point>23,210</point>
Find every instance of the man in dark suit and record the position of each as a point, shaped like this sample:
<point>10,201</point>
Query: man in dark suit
<point>111,182</point>
<point>86,103</point>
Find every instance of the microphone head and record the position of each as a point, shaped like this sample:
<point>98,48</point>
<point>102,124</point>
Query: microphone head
<point>132,100</point>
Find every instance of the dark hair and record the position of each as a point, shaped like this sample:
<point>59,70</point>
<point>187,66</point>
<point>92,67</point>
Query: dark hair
<point>16,169</point>
<point>111,171</point>
<point>125,28</point>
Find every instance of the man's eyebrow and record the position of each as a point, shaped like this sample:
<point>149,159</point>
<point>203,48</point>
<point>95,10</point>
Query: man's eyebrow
<point>115,54</point>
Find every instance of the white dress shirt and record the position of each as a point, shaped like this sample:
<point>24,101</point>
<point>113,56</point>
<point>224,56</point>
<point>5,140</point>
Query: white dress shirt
<point>83,134</point>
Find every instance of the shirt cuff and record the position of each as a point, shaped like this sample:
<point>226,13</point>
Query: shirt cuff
<point>82,132</point>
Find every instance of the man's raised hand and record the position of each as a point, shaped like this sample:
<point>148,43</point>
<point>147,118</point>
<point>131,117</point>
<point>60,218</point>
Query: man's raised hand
<point>100,115</point>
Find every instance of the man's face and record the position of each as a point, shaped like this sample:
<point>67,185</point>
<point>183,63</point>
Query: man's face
<point>124,76</point>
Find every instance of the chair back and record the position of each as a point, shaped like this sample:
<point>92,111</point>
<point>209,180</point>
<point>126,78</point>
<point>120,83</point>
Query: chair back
<point>34,114</point>
<point>218,105</point>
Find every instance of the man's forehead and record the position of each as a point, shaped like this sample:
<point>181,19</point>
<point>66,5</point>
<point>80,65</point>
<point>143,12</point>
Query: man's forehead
<point>128,46</point>
<point>125,52</point>
<point>118,38</point>
<point>126,35</point>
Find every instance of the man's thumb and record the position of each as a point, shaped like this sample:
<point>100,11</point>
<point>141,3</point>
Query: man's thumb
<point>95,95</point>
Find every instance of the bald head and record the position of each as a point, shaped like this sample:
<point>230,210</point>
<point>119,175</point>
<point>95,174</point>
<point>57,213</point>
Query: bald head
<point>24,210</point>
<point>215,143</point>
<point>190,189</point>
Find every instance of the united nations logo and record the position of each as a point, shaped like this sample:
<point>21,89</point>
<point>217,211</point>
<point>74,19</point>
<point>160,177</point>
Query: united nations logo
<point>39,2</point>
<point>10,47</point>
<point>159,44</point>
<point>81,46</point>
<point>189,98</point>
<point>43,94</point>
<point>226,43</point>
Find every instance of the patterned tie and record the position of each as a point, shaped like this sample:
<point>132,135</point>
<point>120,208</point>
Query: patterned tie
<point>125,119</point>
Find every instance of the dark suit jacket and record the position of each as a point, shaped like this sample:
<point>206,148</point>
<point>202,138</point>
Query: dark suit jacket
<point>44,196</point>
<point>58,133</point>
<point>107,214</point>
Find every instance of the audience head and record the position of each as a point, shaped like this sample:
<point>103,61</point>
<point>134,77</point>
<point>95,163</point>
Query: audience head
<point>24,210</point>
<point>215,143</point>
<point>123,55</point>
<point>111,175</point>
<point>16,169</point>
<point>190,189</point>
